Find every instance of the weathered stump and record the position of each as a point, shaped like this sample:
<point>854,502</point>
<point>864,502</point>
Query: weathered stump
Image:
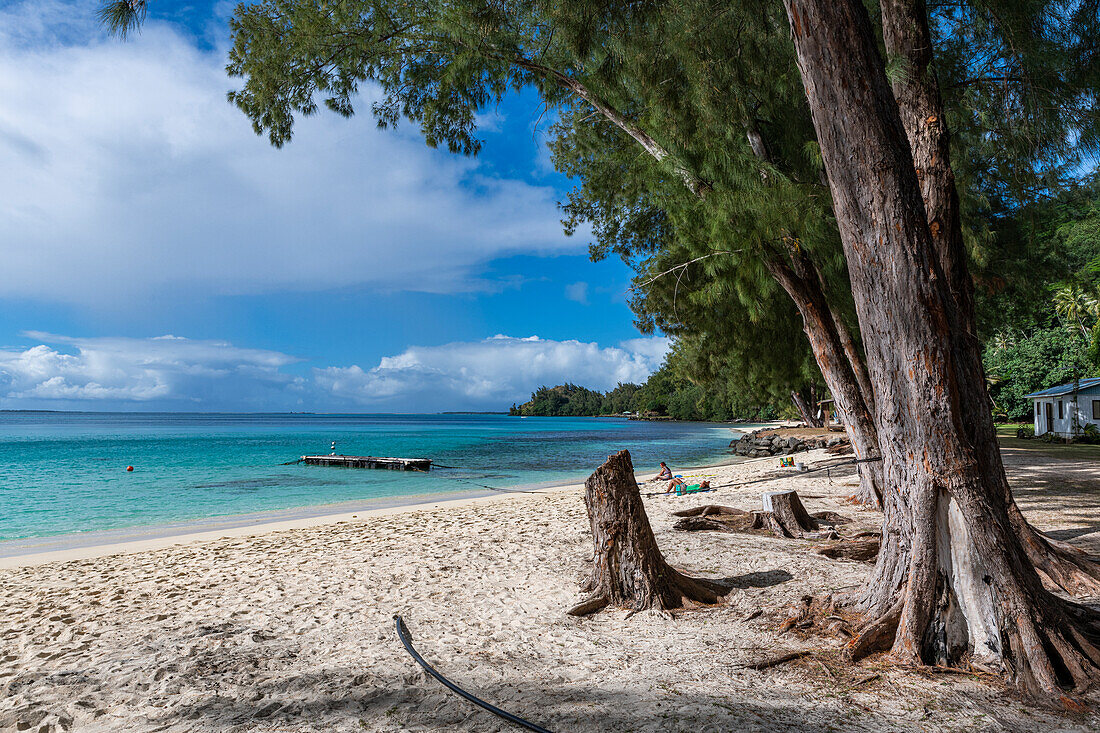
<point>786,516</point>
<point>628,569</point>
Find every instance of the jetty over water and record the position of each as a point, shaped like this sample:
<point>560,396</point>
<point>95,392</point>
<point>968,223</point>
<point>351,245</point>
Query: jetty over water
<point>392,464</point>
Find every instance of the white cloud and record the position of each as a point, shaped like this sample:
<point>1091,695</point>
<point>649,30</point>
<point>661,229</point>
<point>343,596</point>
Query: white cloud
<point>577,291</point>
<point>125,173</point>
<point>166,371</point>
<point>491,373</point>
<point>171,372</point>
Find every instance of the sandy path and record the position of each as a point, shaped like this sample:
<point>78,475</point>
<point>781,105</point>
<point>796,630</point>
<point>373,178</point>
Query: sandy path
<point>292,631</point>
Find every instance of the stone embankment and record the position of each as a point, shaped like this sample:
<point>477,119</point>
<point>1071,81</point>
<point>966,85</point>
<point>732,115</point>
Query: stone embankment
<point>773,443</point>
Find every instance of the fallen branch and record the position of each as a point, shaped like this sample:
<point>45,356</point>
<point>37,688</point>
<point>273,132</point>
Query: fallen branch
<point>776,661</point>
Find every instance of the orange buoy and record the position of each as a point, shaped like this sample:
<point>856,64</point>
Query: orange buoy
<point>129,468</point>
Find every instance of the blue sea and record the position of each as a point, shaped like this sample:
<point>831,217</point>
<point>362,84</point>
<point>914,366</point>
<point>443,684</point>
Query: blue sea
<point>64,473</point>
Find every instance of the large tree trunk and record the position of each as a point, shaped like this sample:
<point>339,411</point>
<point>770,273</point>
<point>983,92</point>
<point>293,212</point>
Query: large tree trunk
<point>906,37</point>
<point>804,286</point>
<point>627,566</point>
<point>953,580</point>
<point>829,338</point>
<point>805,410</point>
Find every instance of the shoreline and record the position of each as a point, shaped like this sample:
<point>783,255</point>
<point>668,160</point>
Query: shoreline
<point>132,539</point>
<point>32,551</point>
<point>273,627</point>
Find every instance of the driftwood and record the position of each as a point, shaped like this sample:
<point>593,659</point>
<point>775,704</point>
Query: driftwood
<point>716,518</point>
<point>708,510</point>
<point>776,661</point>
<point>697,524</point>
<point>627,566</point>
<point>783,515</point>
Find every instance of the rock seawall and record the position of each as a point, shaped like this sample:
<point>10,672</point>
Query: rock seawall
<point>767,443</point>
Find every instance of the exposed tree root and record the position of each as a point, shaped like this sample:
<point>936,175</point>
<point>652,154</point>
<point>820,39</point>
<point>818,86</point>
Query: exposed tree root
<point>865,550</point>
<point>1061,565</point>
<point>1045,657</point>
<point>876,635</point>
<point>590,606</point>
<point>1049,652</point>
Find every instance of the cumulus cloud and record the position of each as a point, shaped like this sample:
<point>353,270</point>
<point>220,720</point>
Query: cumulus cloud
<point>490,373</point>
<point>165,372</point>
<point>171,372</point>
<point>126,173</point>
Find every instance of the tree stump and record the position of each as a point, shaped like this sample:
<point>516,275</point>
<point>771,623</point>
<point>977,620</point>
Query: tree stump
<point>628,569</point>
<point>785,515</point>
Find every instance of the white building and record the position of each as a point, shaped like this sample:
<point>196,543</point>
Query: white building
<point>1055,407</point>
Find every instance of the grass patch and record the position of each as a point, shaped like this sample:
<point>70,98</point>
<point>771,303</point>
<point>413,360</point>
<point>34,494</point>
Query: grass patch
<point>1006,436</point>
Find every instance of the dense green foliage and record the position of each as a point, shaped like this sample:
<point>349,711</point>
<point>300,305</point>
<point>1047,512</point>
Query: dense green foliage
<point>1044,358</point>
<point>1040,326</point>
<point>664,394</point>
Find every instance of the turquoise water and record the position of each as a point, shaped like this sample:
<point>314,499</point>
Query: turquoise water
<point>64,473</point>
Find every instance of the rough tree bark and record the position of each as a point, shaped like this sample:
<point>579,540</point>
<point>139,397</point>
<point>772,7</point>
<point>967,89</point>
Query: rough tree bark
<point>953,580</point>
<point>800,280</point>
<point>804,410</point>
<point>627,566</point>
<point>829,338</point>
<point>906,37</point>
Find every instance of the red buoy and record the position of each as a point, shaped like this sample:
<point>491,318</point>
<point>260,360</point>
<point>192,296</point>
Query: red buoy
<point>129,468</point>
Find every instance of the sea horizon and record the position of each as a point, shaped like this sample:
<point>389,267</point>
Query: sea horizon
<point>68,474</point>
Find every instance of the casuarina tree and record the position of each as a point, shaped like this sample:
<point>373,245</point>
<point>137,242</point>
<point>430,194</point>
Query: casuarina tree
<point>954,579</point>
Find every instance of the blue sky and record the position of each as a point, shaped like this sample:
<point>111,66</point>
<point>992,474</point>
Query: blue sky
<point>355,269</point>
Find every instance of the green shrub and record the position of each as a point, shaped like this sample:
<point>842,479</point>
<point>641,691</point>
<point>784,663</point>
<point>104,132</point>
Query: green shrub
<point>1026,432</point>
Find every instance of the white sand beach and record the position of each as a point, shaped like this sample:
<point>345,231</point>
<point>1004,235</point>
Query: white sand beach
<point>290,627</point>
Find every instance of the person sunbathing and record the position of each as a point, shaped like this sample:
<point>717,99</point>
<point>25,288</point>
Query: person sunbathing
<point>682,487</point>
<point>664,475</point>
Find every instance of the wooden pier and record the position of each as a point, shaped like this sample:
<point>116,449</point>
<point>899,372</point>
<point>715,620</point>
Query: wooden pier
<point>392,464</point>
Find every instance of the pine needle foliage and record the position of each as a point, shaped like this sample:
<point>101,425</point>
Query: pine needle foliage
<point>122,17</point>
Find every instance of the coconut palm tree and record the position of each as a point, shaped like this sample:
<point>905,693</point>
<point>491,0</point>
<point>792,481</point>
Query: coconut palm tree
<point>1076,308</point>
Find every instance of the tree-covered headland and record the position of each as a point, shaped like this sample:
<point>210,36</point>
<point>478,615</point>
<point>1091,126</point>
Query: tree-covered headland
<point>664,394</point>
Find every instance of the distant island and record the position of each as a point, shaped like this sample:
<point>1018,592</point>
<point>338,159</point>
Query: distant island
<point>474,412</point>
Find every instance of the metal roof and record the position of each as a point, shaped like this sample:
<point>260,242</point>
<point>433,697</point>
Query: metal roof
<point>1064,389</point>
